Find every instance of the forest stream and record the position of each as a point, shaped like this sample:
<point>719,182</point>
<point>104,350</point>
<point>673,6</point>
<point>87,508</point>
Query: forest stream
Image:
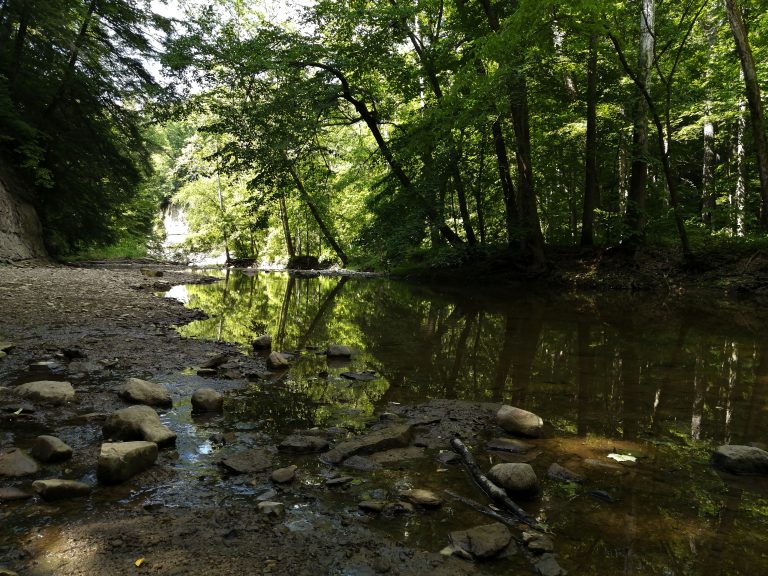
<point>635,394</point>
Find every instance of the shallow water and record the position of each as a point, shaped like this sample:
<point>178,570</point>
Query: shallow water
<point>664,382</point>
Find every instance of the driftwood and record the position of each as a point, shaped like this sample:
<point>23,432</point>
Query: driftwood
<point>477,507</point>
<point>494,492</point>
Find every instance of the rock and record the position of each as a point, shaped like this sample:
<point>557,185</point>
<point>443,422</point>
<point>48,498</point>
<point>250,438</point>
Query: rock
<point>548,566</point>
<point>47,391</point>
<point>3,354</point>
<point>143,392</point>
<point>557,472</point>
<point>60,489</point>
<point>284,475</point>
<point>483,542</point>
<point>149,273</point>
<point>398,508</point>
<point>268,495</point>
<point>383,439</point>
<point>509,445</point>
<point>375,506</point>
<point>538,543</point>
<point>207,400</point>
<point>11,493</point>
<point>397,455</point>
<point>448,457</point>
<point>50,449</point>
<point>273,509</point>
<point>119,461</point>
<point>601,495</point>
<point>138,423</point>
<point>7,572</point>
<point>248,461</point>
<point>263,342</point>
<point>361,463</point>
<point>207,372</point>
<point>15,463</point>
<point>277,361</point>
<point>518,421</point>
<point>741,459</point>
<point>298,444</point>
<point>6,346</point>
<point>604,467</point>
<point>215,361</point>
<point>425,498</point>
<point>339,481</point>
<point>359,376</point>
<point>517,479</point>
<point>338,351</point>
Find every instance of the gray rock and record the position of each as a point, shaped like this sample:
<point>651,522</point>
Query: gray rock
<point>517,479</point>
<point>215,361</point>
<point>384,439</point>
<point>548,566</point>
<point>359,376</point>
<point>277,361</point>
<point>144,392</point>
<point>375,506</point>
<point>120,461</point>
<point>3,354</point>
<point>138,423</point>
<point>538,543</point>
<point>557,472</point>
<point>284,475</point>
<point>398,455</point>
<point>263,342</point>
<point>60,489</point>
<point>448,457</point>
<point>11,493</point>
<point>6,346</point>
<point>248,461</point>
<point>338,351</point>
<point>483,542</point>
<point>268,495</point>
<point>273,509</point>
<point>398,508</point>
<point>604,467</point>
<point>509,445</point>
<point>519,421</point>
<point>298,444</point>
<point>339,481</point>
<point>149,273</point>
<point>207,400</point>
<point>741,459</point>
<point>419,497</point>
<point>47,391</point>
<point>15,463</point>
<point>361,463</point>
<point>50,449</point>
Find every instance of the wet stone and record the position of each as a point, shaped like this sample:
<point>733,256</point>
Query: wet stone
<point>11,493</point>
<point>272,509</point>
<point>359,376</point>
<point>604,467</point>
<point>741,459</point>
<point>398,508</point>
<point>6,346</point>
<point>268,495</point>
<point>384,439</point>
<point>207,400</point>
<point>561,473</point>
<point>448,457</point>
<point>519,421</point>
<point>538,543</point>
<point>120,461</point>
<point>215,361</point>
<point>284,475</point>
<point>15,463</point>
<point>60,489</point>
<point>263,342</point>
<point>47,391</point>
<point>140,391</point>
<point>300,444</point>
<point>138,423</point>
<point>248,461</point>
<point>338,351</point>
<point>338,481</point>
<point>483,542</point>
<point>398,455</point>
<point>375,506</point>
<point>424,498</point>
<point>516,479</point>
<point>277,361</point>
<point>50,449</point>
<point>207,372</point>
<point>361,463</point>
<point>509,445</point>
<point>548,566</point>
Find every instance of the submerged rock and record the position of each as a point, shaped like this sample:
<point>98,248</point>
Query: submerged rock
<point>273,509</point>
<point>398,508</point>
<point>50,449</point>
<point>338,351</point>
<point>119,461</point>
<point>339,481</point>
<point>517,479</point>
<point>509,445</point>
<point>47,391</point>
<point>359,376</point>
<point>557,472</point>
<point>263,342</point>
<point>284,475</point>
<point>374,506</point>
<point>138,423</point>
<point>248,461</point>
<point>548,566</point>
<point>11,493</point>
<point>15,463</point>
<point>384,439</point>
<point>207,400</point>
<point>482,542</point>
<point>277,361</point>
<point>425,498</point>
<point>60,489</point>
<point>361,463</point>
<point>519,421</point>
<point>140,391</point>
<point>6,346</point>
<point>741,459</point>
<point>299,444</point>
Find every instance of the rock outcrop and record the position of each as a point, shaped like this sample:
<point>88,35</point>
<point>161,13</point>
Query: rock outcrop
<point>21,235</point>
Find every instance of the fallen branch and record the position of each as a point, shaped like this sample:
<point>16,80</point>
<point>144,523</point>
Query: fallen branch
<point>495,493</point>
<point>477,507</point>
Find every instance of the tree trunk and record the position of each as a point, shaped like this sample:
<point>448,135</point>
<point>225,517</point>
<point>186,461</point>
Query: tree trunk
<point>590,164</point>
<point>708,174</point>
<point>286,228</point>
<point>739,30</point>
<point>738,197</point>
<point>477,190</point>
<point>511,212</point>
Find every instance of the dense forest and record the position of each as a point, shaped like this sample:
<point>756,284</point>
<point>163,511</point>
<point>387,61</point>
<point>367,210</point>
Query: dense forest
<point>379,133</point>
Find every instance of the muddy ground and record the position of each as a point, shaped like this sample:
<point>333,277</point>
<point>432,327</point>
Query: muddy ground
<point>95,328</point>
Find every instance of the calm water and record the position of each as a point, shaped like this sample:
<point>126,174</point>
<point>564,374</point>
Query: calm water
<point>664,383</point>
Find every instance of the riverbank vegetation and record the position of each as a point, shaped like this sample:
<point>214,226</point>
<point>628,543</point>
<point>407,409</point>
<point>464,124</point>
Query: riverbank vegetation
<point>378,134</point>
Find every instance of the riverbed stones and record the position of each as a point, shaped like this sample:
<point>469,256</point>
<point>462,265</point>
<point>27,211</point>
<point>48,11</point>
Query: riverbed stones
<point>284,475</point>
<point>272,509</point>
<point>263,342</point>
<point>139,391</point>
<point>57,489</point>
<point>119,461</point>
<point>138,423</point>
<point>248,461</point>
<point>47,392</point>
<point>516,478</point>
<point>15,463</point>
<point>563,474</point>
<point>423,498</point>
<point>50,449</point>
<point>482,542</point>
<point>12,493</point>
<point>377,441</point>
<point>519,421</point>
<point>738,459</point>
<point>277,361</point>
<point>207,400</point>
<point>338,351</point>
<point>301,444</point>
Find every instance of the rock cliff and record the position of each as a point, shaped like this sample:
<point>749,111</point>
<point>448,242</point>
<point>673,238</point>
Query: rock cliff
<point>21,235</point>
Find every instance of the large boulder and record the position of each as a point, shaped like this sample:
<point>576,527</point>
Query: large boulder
<point>517,479</point>
<point>741,459</point>
<point>519,421</point>
<point>119,461</point>
<point>338,351</point>
<point>207,400</point>
<point>298,444</point>
<point>139,391</point>
<point>15,463</point>
<point>482,542</point>
<point>138,423</point>
<point>384,439</point>
<point>47,391</point>
<point>60,489</point>
<point>50,449</point>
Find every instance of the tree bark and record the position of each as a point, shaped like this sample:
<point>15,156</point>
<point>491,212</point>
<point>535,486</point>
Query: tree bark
<point>286,228</point>
<point>744,50</point>
<point>591,191</point>
<point>739,194</point>
<point>511,213</point>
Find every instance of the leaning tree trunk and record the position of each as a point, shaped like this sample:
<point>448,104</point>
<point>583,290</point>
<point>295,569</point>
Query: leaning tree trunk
<point>739,30</point>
